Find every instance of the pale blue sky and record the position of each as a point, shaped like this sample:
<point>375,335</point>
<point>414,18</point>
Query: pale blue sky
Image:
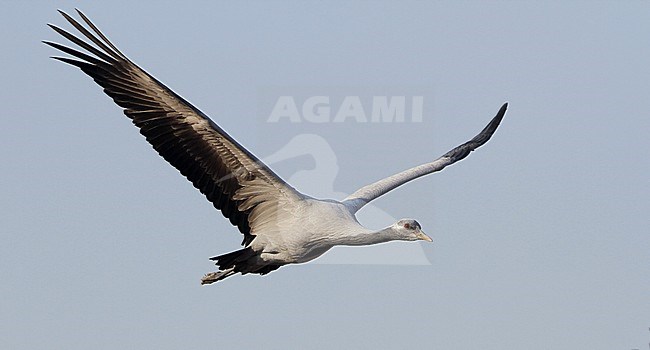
<point>541,236</point>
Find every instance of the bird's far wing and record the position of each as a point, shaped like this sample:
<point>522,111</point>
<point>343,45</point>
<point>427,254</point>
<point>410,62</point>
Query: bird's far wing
<point>229,176</point>
<point>367,193</point>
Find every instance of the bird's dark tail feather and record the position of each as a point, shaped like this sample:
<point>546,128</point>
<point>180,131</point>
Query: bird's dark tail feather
<point>230,259</point>
<point>240,261</point>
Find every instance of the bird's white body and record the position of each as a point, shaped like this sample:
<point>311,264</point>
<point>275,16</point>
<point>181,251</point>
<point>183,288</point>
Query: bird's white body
<point>280,225</point>
<point>307,230</point>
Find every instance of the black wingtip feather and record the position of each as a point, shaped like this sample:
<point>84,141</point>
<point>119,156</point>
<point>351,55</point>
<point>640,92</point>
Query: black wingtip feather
<point>479,140</point>
<point>69,61</point>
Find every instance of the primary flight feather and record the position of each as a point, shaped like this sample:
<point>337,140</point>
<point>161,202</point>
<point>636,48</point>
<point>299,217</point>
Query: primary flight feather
<point>280,225</point>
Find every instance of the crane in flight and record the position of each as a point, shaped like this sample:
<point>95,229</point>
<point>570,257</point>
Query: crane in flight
<point>280,225</point>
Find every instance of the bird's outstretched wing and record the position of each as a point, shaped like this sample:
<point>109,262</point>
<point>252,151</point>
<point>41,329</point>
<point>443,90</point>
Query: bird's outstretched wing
<point>367,193</point>
<point>234,180</point>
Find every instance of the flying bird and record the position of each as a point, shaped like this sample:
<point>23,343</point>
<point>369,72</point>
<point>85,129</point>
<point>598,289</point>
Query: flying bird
<point>280,225</point>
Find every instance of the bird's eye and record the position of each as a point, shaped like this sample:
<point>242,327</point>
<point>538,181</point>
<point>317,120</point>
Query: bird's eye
<point>407,226</point>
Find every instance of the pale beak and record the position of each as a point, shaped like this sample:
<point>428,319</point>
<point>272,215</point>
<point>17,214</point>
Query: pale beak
<point>422,236</point>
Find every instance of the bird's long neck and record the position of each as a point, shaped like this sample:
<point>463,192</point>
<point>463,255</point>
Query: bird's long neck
<point>365,236</point>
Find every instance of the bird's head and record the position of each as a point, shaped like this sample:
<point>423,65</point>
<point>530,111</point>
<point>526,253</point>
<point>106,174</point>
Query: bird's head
<point>410,230</point>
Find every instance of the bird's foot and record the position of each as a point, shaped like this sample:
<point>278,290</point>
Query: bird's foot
<point>210,278</point>
<point>216,276</point>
